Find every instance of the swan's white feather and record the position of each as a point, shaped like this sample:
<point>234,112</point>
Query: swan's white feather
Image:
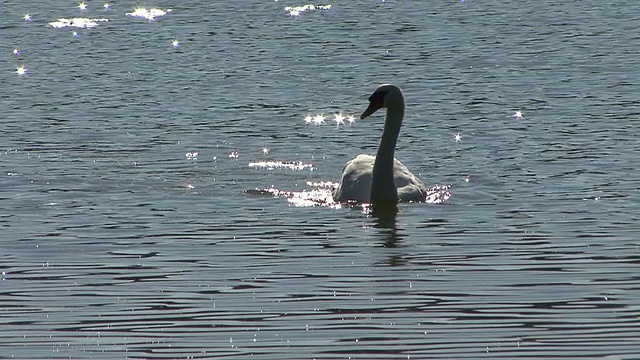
<point>355,185</point>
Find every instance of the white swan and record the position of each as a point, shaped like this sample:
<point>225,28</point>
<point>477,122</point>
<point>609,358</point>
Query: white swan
<point>383,178</point>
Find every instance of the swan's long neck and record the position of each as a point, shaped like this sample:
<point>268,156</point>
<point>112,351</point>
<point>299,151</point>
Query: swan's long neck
<point>383,186</point>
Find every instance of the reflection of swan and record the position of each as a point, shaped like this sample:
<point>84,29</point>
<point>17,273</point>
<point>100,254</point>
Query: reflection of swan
<point>381,179</point>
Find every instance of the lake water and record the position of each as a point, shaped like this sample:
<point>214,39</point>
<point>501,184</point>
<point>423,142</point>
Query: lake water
<point>130,152</point>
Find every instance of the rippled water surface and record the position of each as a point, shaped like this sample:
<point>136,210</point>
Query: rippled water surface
<point>132,144</point>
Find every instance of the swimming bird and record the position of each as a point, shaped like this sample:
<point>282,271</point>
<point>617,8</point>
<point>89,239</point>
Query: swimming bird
<point>382,179</point>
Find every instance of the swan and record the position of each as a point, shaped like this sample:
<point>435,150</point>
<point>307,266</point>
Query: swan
<point>381,179</point>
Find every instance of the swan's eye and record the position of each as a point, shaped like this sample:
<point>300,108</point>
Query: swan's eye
<point>378,97</point>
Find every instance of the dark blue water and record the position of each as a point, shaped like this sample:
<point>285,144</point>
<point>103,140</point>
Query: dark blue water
<point>127,149</point>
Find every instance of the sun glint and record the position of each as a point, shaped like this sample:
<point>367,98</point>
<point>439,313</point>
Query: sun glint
<point>318,119</point>
<point>351,119</point>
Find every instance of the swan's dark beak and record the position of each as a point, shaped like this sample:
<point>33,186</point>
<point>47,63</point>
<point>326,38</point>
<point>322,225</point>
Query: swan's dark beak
<point>373,107</point>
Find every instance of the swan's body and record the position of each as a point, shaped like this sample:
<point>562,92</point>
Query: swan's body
<point>383,178</point>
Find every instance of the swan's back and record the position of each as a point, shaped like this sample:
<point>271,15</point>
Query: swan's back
<point>355,185</point>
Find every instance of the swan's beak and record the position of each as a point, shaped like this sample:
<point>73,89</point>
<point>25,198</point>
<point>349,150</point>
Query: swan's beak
<point>373,107</point>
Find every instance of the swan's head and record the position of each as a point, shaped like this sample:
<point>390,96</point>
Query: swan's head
<point>384,96</point>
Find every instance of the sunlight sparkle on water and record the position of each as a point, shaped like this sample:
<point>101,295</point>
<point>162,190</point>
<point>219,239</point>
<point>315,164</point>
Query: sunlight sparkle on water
<point>27,17</point>
<point>234,155</point>
<point>175,43</point>
<point>281,165</point>
<point>82,23</point>
<point>321,194</point>
<point>265,151</point>
<point>308,119</point>
<point>297,10</point>
<point>517,115</point>
<point>149,14</point>
<point>192,155</point>
<point>338,118</point>
<point>323,184</point>
<point>106,6</point>
<point>16,51</point>
<point>306,198</point>
<point>458,137</point>
<point>437,194</point>
<point>595,198</point>
<point>82,6</point>
<point>21,70</point>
